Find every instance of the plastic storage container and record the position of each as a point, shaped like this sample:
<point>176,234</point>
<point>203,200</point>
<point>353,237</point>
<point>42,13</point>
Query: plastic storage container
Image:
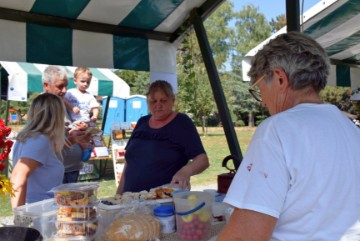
<point>76,228</point>
<point>193,215</point>
<point>40,215</point>
<point>74,238</point>
<point>76,194</point>
<point>86,213</point>
<point>165,215</point>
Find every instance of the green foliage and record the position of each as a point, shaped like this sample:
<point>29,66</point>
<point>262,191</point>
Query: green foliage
<point>239,123</point>
<point>137,80</point>
<point>278,23</point>
<point>194,93</point>
<point>219,33</point>
<point>251,28</point>
<point>339,96</point>
<point>213,120</point>
<point>240,101</point>
<point>20,107</point>
<point>260,118</point>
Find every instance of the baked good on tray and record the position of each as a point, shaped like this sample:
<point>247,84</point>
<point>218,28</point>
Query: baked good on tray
<point>66,213</point>
<point>76,194</point>
<point>133,227</point>
<point>75,198</point>
<point>154,194</point>
<point>81,228</point>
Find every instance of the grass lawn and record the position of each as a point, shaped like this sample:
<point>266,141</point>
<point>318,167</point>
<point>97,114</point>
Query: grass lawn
<point>215,145</point>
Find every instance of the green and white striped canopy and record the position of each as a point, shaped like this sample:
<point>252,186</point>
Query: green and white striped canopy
<point>121,34</point>
<point>335,24</point>
<point>27,77</point>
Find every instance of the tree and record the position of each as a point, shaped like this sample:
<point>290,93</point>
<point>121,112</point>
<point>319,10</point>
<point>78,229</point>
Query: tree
<point>195,94</point>
<point>251,28</point>
<point>278,23</point>
<point>339,96</point>
<point>19,107</point>
<point>137,80</point>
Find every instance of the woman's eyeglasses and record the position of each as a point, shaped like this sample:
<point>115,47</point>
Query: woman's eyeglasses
<point>254,90</point>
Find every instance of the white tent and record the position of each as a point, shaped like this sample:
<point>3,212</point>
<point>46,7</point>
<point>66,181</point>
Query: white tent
<point>26,77</point>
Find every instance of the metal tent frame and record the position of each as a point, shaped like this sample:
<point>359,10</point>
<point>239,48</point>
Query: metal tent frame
<point>193,17</point>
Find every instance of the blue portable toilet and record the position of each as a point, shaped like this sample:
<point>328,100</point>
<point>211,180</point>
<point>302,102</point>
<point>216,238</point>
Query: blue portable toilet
<point>136,107</point>
<point>115,113</point>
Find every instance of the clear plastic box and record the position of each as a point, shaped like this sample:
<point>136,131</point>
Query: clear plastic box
<point>76,194</point>
<point>74,238</point>
<point>39,215</point>
<point>76,228</point>
<point>68,213</point>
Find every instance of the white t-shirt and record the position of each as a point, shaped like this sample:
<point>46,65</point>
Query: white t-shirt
<point>303,167</point>
<point>84,101</point>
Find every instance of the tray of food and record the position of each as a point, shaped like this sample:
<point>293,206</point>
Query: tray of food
<point>154,196</point>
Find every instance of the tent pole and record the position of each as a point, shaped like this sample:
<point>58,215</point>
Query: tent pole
<point>216,87</point>
<point>293,15</point>
<point>105,114</point>
<point>7,112</point>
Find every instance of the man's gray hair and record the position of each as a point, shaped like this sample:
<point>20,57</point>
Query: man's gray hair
<point>303,60</point>
<point>54,70</point>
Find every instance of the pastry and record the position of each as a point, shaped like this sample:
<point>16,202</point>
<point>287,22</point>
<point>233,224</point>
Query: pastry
<point>75,198</point>
<point>66,213</point>
<point>127,197</point>
<point>66,229</point>
<point>164,192</point>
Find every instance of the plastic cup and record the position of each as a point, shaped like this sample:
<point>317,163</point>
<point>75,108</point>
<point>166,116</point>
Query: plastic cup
<point>193,215</point>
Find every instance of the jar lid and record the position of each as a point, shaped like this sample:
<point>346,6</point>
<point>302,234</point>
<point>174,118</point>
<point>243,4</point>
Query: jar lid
<point>164,210</point>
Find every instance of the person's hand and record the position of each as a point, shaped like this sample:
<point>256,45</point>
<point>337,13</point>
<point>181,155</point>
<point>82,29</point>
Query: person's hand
<point>93,119</point>
<point>76,136</point>
<point>76,110</point>
<point>182,178</point>
<point>81,126</point>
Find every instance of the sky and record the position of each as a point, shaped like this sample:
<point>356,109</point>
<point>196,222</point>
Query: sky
<point>271,8</point>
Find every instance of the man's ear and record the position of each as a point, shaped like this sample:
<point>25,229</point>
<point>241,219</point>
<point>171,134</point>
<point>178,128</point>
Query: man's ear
<point>281,79</point>
<point>45,86</point>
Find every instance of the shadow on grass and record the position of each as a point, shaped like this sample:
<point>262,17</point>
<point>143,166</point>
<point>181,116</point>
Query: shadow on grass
<point>213,134</point>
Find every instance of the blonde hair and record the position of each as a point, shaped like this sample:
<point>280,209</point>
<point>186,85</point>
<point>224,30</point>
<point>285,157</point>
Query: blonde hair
<point>82,70</point>
<point>163,86</point>
<point>46,116</point>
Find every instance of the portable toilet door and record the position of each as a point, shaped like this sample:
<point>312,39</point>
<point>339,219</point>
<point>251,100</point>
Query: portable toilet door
<point>136,107</point>
<point>115,112</point>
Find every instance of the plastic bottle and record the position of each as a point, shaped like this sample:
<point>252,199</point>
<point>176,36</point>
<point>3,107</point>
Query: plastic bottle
<point>166,217</point>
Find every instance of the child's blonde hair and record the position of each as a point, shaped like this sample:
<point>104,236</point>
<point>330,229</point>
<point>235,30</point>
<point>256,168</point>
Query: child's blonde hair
<point>82,70</point>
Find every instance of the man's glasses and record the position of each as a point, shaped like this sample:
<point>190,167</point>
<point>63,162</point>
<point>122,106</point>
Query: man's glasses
<point>254,90</point>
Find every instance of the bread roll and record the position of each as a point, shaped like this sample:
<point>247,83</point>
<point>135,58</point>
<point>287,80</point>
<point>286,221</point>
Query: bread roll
<point>133,227</point>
